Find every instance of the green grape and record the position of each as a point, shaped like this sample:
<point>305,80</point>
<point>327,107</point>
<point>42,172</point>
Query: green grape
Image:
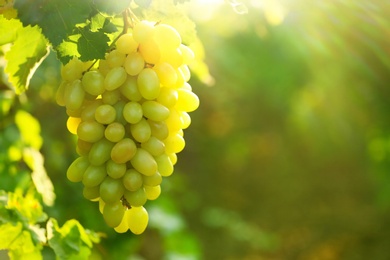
<point>115,170</point>
<point>129,89</point>
<point>91,193</point>
<point>174,121</point>
<point>166,73</point>
<point>72,123</point>
<point>165,166</point>
<point>93,82</point>
<point>119,106</point>
<point>144,162</point>
<point>94,175</point>
<point>132,180</point>
<point>173,158</point>
<point>100,152</point>
<point>141,131</point>
<point>152,180</point>
<point>150,51</point>
<point>136,198</point>
<point>60,100</point>
<point>83,147</point>
<point>134,63</point>
<point>187,53</point>
<point>77,168</point>
<point>126,44</point>
<point>72,70</point>
<point>111,190</point>
<point>137,219</point>
<point>148,84</point>
<point>114,78</point>
<point>143,31</point>
<point>113,213</point>
<point>167,36</point>
<point>174,143</point>
<point>74,95</point>
<point>159,129</point>
<point>88,112</point>
<point>152,192</point>
<point>168,97</point>
<point>123,226</point>
<point>154,110</point>
<point>114,132</point>
<point>185,119</point>
<point>132,112</point>
<point>115,58</point>
<point>105,114</point>
<point>123,151</point>
<point>171,55</point>
<point>154,146</point>
<point>111,97</point>
<point>104,68</point>
<point>90,131</point>
<point>187,100</point>
<point>185,72</point>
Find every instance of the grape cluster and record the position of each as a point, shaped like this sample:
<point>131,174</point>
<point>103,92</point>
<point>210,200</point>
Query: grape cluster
<point>128,112</point>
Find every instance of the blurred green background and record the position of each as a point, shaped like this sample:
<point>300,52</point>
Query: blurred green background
<point>288,156</point>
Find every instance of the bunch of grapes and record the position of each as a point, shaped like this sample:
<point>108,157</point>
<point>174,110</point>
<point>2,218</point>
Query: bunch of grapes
<point>128,112</point>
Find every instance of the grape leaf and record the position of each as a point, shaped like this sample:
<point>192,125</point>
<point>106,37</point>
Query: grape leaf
<point>8,29</point>
<point>57,18</point>
<point>66,51</point>
<point>111,7</point>
<point>26,53</point>
<point>92,45</point>
<point>71,241</point>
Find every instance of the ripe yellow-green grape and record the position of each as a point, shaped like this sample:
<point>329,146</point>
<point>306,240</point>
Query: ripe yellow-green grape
<point>105,114</point>
<point>134,63</point>
<point>166,73</point>
<point>74,95</point>
<point>114,132</point>
<point>123,151</point>
<point>152,180</point>
<point>132,112</point>
<point>132,180</point>
<point>168,97</point>
<point>137,219</point>
<point>113,213</point>
<point>148,84</point>
<point>83,147</point>
<point>136,198</point>
<point>143,31</point>
<point>111,190</point>
<point>144,162</point>
<point>159,129</point>
<point>93,82</point>
<point>114,78</point>
<point>91,193</point>
<point>141,131</point>
<point>72,70</point>
<point>164,165</point>
<point>100,152</point>
<point>90,131</point>
<point>72,123</point>
<point>174,143</point>
<point>115,58</point>
<point>152,192</point>
<point>115,170</point>
<point>123,227</point>
<point>76,170</point>
<point>154,110</point>
<point>129,89</point>
<point>126,44</point>
<point>154,146</point>
<point>94,175</point>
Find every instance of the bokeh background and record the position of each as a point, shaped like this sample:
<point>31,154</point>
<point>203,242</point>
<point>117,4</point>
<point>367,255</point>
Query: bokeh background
<point>288,155</point>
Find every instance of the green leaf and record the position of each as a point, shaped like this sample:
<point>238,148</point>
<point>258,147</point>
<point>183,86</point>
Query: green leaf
<point>66,51</point>
<point>111,7</point>
<point>71,241</point>
<point>57,18</point>
<point>92,45</point>
<point>8,234</point>
<point>42,182</point>
<point>8,30</point>
<point>28,50</point>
